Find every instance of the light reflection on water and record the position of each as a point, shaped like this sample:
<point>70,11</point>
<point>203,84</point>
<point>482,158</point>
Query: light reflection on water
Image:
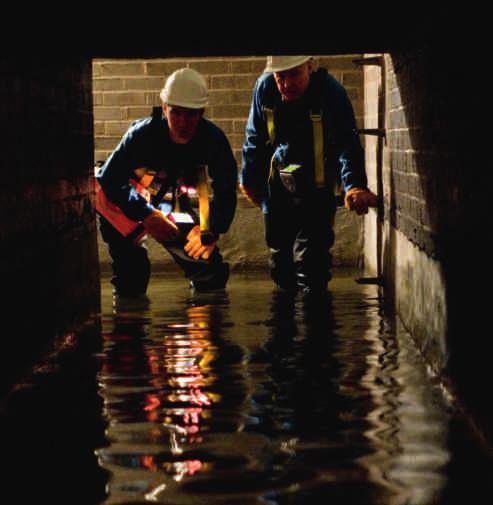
<point>250,396</point>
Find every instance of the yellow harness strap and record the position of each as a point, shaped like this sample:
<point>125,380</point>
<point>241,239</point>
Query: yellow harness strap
<point>318,149</point>
<point>269,118</point>
<point>318,144</point>
<point>271,132</point>
<point>203,191</point>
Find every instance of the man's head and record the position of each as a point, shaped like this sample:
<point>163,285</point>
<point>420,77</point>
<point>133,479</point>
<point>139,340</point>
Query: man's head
<point>291,73</point>
<point>184,98</point>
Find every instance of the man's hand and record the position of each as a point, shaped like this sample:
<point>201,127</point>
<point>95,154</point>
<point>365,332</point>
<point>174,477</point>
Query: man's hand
<point>194,246</point>
<point>359,199</point>
<point>160,227</point>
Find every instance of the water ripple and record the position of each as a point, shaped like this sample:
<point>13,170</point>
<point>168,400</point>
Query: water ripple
<point>256,397</point>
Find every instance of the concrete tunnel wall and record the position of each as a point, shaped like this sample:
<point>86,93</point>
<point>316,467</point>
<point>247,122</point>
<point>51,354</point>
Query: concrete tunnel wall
<point>48,253</point>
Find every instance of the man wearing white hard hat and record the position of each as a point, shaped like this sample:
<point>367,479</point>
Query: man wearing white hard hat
<point>148,183</point>
<point>301,144</point>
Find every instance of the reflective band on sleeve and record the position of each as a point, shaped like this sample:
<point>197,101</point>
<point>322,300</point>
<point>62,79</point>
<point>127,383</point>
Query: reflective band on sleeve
<point>114,215</point>
<point>145,178</point>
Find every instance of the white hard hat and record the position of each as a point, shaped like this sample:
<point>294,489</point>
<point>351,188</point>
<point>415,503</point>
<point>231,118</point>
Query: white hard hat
<point>185,88</point>
<point>280,63</point>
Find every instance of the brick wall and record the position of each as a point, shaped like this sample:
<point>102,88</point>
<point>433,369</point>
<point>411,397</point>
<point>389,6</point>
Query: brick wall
<point>435,187</point>
<point>415,155</point>
<point>433,119</point>
<point>125,90</point>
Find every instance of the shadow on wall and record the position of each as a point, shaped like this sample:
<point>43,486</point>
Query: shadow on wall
<point>48,255</point>
<point>441,161</point>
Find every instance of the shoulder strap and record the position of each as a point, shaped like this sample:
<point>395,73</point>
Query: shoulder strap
<point>320,77</point>
<point>268,107</point>
<point>157,113</point>
<point>318,133</point>
<point>271,129</point>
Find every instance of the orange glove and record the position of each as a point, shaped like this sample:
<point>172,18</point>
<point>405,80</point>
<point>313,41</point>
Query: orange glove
<point>194,246</point>
<point>160,227</point>
<point>359,199</point>
<point>252,198</point>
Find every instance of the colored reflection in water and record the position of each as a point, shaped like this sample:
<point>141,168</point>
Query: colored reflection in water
<point>256,397</point>
<point>239,398</point>
<point>159,381</point>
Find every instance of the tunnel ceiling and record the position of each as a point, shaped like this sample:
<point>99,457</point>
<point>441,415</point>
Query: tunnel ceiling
<point>246,33</point>
<point>336,38</point>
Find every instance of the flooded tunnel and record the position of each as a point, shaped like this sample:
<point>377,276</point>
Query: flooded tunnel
<point>373,395</point>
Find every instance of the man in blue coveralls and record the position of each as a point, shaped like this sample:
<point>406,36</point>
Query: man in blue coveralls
<point>301,143</point>
<point>159,156</point>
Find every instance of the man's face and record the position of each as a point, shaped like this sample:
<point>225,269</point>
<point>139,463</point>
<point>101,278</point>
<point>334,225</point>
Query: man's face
<point>182,122</point>
<point>293,83</point>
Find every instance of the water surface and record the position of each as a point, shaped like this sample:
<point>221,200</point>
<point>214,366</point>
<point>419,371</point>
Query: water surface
<point>253,396</point>
<point>248,396</point>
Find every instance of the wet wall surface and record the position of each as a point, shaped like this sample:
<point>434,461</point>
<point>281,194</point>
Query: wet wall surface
<point>248,396</point>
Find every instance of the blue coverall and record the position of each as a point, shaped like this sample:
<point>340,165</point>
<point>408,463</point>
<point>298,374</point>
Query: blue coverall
<point>147,144</point>
<point>299,227</point>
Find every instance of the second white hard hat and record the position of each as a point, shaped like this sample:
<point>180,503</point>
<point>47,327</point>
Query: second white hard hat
<point>185,88</point>
<point>280,63</point>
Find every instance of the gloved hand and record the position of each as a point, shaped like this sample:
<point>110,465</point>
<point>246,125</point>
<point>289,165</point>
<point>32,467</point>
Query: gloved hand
<point>160,227</point>
<point>251,196</point>
<point>194,246</point>
<point>359,199</point>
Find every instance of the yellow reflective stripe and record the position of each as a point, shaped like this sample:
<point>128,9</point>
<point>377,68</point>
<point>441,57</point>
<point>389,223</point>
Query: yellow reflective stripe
<point>272,168</point>
<point>318,150</point>
<point>177,206</point>
<point>203,191</point>
<point>269,117</point>
<point>146,181</point>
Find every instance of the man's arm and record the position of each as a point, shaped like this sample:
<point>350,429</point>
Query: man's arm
<point>223,172</point>
<point>351,154</point>
<point>255,152</point>
<point>114,175</point>
<point>352,160</point>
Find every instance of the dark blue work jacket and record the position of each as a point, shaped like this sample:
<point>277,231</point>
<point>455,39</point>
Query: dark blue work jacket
<point>147,144</point>
<point>343,154</point>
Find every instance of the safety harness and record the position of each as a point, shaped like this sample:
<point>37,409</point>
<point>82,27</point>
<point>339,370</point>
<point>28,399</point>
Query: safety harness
<point>318,142</point>
<point>317,128</point>
<point>148,184</point>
